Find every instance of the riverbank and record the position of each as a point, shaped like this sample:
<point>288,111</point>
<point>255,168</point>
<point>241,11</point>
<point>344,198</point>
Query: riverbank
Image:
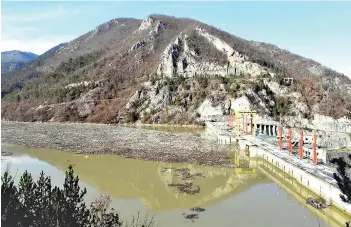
<point>115,139</point>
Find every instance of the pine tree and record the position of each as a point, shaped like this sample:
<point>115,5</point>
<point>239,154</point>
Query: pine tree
<point>11,208</point>
<point>26,193</point>
<point>38,204</point>
<point>344,182</point>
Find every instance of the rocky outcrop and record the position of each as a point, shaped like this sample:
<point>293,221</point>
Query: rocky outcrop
<point>241,103</point>
<point>138,45</point>
<point>179,59</point>
<point>147,23</point>
<point>206,109</point>
<point>238,62</point>
<point>325,123</point>
<point>159,27</point>
<point>83,83</point>
<point>168,65</point>
<point>86,103</point>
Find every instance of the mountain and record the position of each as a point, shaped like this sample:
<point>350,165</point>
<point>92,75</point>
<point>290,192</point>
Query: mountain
<point>15,59</point>
<point>52,50</point>
<point>170,70</point>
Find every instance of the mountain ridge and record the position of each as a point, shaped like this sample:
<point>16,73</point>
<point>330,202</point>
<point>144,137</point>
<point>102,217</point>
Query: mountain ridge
<point>15,59</point>
<point>131,62</point>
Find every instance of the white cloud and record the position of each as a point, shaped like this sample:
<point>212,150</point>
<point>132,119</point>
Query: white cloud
<point>19,35</point>
<point>30,39</point>
<point>36,45</point>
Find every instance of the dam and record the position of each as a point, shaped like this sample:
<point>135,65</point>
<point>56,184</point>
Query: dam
<point>301,159</point>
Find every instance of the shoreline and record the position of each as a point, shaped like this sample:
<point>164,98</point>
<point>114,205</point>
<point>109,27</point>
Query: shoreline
<point>167,125</point>
<point>128,142</point>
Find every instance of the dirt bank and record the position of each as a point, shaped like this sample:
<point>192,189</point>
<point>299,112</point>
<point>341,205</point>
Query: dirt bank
<point>111,139</point>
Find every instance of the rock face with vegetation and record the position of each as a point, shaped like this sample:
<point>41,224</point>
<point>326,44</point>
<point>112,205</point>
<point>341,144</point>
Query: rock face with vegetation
<point>173,70</point>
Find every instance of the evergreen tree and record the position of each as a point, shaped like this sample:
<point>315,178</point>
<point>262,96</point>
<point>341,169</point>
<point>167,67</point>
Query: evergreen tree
<point>11,207</point>
<point>344,182</point>
<point>26,194</point>
<point>38,204</point>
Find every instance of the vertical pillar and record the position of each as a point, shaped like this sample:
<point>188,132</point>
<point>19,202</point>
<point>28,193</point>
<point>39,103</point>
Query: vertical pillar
<point>301,144</point>
<point>243,124</point>
<point>274,130</point>
<point>290,140</point>
<point>252,129</point>
<point>280,130</point>
<point>261,128</point>
<point>270,128</point>
<point>265,129</point>
<point>254,123</point>
<point>315,150</point>
<point>247,125</point>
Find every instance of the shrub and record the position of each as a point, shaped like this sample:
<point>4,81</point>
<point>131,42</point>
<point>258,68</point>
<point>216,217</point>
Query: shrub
<point>282,107</point>
<point>131,117</point>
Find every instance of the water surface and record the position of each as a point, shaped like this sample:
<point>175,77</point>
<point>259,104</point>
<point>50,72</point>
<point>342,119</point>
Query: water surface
<point>255,194</point>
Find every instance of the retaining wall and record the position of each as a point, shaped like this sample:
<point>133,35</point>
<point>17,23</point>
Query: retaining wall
<point>318,186</point>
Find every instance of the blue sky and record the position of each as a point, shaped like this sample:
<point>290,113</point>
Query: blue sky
<point>316,30</point>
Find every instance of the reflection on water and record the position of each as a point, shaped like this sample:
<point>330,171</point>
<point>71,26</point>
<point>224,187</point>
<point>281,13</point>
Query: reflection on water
<point>244,196</point>
<point>330,215</point>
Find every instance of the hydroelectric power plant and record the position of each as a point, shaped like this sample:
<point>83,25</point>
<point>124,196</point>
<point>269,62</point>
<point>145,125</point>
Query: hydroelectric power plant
<point>300,153</point>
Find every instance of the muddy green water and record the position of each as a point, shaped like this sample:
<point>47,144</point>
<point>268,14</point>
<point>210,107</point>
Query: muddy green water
<point>255,194</point>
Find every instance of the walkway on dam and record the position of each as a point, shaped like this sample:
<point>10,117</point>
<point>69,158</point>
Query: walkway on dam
<point>320,171</point>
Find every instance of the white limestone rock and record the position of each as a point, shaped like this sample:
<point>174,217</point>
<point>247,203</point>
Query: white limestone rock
<point>238,62</point>
<point>242,103</point>
<point>206,109</point>
<point>276,88</point>
<point>84,104</point>
<point>84,83</point>
<point>170,53</point>
<point>218,43</point>
<point>146,23</point>
<point>326,123</point>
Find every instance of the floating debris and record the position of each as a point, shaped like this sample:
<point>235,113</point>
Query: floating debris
<point>315,203</point>
<point>191,216</point>
<point>198,209</point>
<point>188,188</point>
<point>184,174</point>
<point>131,143</point>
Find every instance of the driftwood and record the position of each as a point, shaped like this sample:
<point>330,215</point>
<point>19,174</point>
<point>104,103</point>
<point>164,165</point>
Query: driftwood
<point>113,139</point>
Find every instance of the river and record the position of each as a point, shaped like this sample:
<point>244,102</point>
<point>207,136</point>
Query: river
<point>251,195</point>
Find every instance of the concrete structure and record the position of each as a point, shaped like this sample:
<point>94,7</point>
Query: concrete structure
<point>321,153</point>
<point>317,178</point>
